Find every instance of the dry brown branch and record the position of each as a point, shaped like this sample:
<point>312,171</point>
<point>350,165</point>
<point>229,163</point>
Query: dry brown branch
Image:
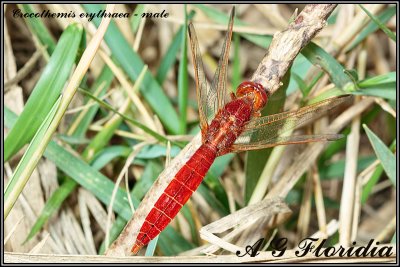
<point>283,50</point>
<point>286,45</point>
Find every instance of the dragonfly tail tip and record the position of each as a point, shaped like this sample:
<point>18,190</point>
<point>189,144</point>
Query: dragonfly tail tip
<point>136,247</point>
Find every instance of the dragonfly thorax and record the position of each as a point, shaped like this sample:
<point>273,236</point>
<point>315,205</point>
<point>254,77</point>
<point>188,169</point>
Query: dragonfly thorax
<point>254,90</point>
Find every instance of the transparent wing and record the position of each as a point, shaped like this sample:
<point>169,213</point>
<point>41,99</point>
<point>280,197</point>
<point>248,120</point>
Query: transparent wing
<point>218,85</point>
<point>276,129</point>
<point>205,108</point>
<point>285,140</point>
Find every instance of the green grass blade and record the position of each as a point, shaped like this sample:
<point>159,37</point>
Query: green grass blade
<point>132,64</point>
<point>71,140</point>
<point>107,154</point>
<point>156,151</point>
<point>135,20</point>
<point>367,189</point>
<point>318,56</point>
<point>46,91</point>
<point>89,178</point>
<point>134,122</point>
<point>213,182</point>
<point>236,75</point>
<point>151,247</point>
<point>379,91</point>
<point>52,204</point>
<point>256,160</point>
<point>170,56</point>
<point>147,152</point>
<point>102,83</point>
<point>335,170</point>
<point>300,67</point>
<point>384,17</point>
<point>186,212</point>
<point>314,81</point>
<point>28,162</point>
<point>380,24</point>
<point>170,243</point>
<point>37,27</point>
<point>211,199</point>
<point>388,160</point>
<point>381,86</point>
<point>387,78</point>
<point>302,85</point>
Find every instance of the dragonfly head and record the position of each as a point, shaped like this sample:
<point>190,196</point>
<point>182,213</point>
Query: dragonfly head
<point>255,91</point>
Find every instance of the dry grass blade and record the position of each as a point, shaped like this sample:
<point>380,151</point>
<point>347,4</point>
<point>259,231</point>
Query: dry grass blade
<point>95,208</point>
<point>388,231</point>
<point>40,245</point>
<point>25,70</point>
<point>319,202</point>
<point>240,219</point>
<point>354,28</point>
<point>273,15</point>
<point>85,219</point>
<point>331,228</point>
<point>131,90</point>
<point>385,106</point>
<point>12,230</point>
<point>349,184</point>
<point>136,149</point>
<point>305,209</point>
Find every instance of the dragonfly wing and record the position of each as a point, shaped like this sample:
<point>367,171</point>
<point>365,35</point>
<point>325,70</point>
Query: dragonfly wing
<point>220,77</point>
<point>206,109</point>
<point>278,127</point>
<point>285,140</point>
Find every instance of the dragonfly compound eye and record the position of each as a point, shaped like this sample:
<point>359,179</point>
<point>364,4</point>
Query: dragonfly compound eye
<point>256,90</point>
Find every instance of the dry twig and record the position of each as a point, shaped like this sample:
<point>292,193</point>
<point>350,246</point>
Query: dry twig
<point>286,45</point>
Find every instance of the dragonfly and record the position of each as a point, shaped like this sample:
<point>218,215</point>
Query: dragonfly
<point>229,123</point>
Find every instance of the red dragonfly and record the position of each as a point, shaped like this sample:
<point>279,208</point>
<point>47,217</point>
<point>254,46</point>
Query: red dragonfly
<point>229,123</point>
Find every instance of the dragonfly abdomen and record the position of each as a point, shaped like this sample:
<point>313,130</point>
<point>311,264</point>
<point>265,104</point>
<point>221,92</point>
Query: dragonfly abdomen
<point>177,193</point>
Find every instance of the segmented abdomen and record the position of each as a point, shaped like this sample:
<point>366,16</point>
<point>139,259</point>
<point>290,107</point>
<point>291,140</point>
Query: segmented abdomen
<point>177,193</point>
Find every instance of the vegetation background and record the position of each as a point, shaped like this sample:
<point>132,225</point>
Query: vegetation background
<point>139,92</point>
